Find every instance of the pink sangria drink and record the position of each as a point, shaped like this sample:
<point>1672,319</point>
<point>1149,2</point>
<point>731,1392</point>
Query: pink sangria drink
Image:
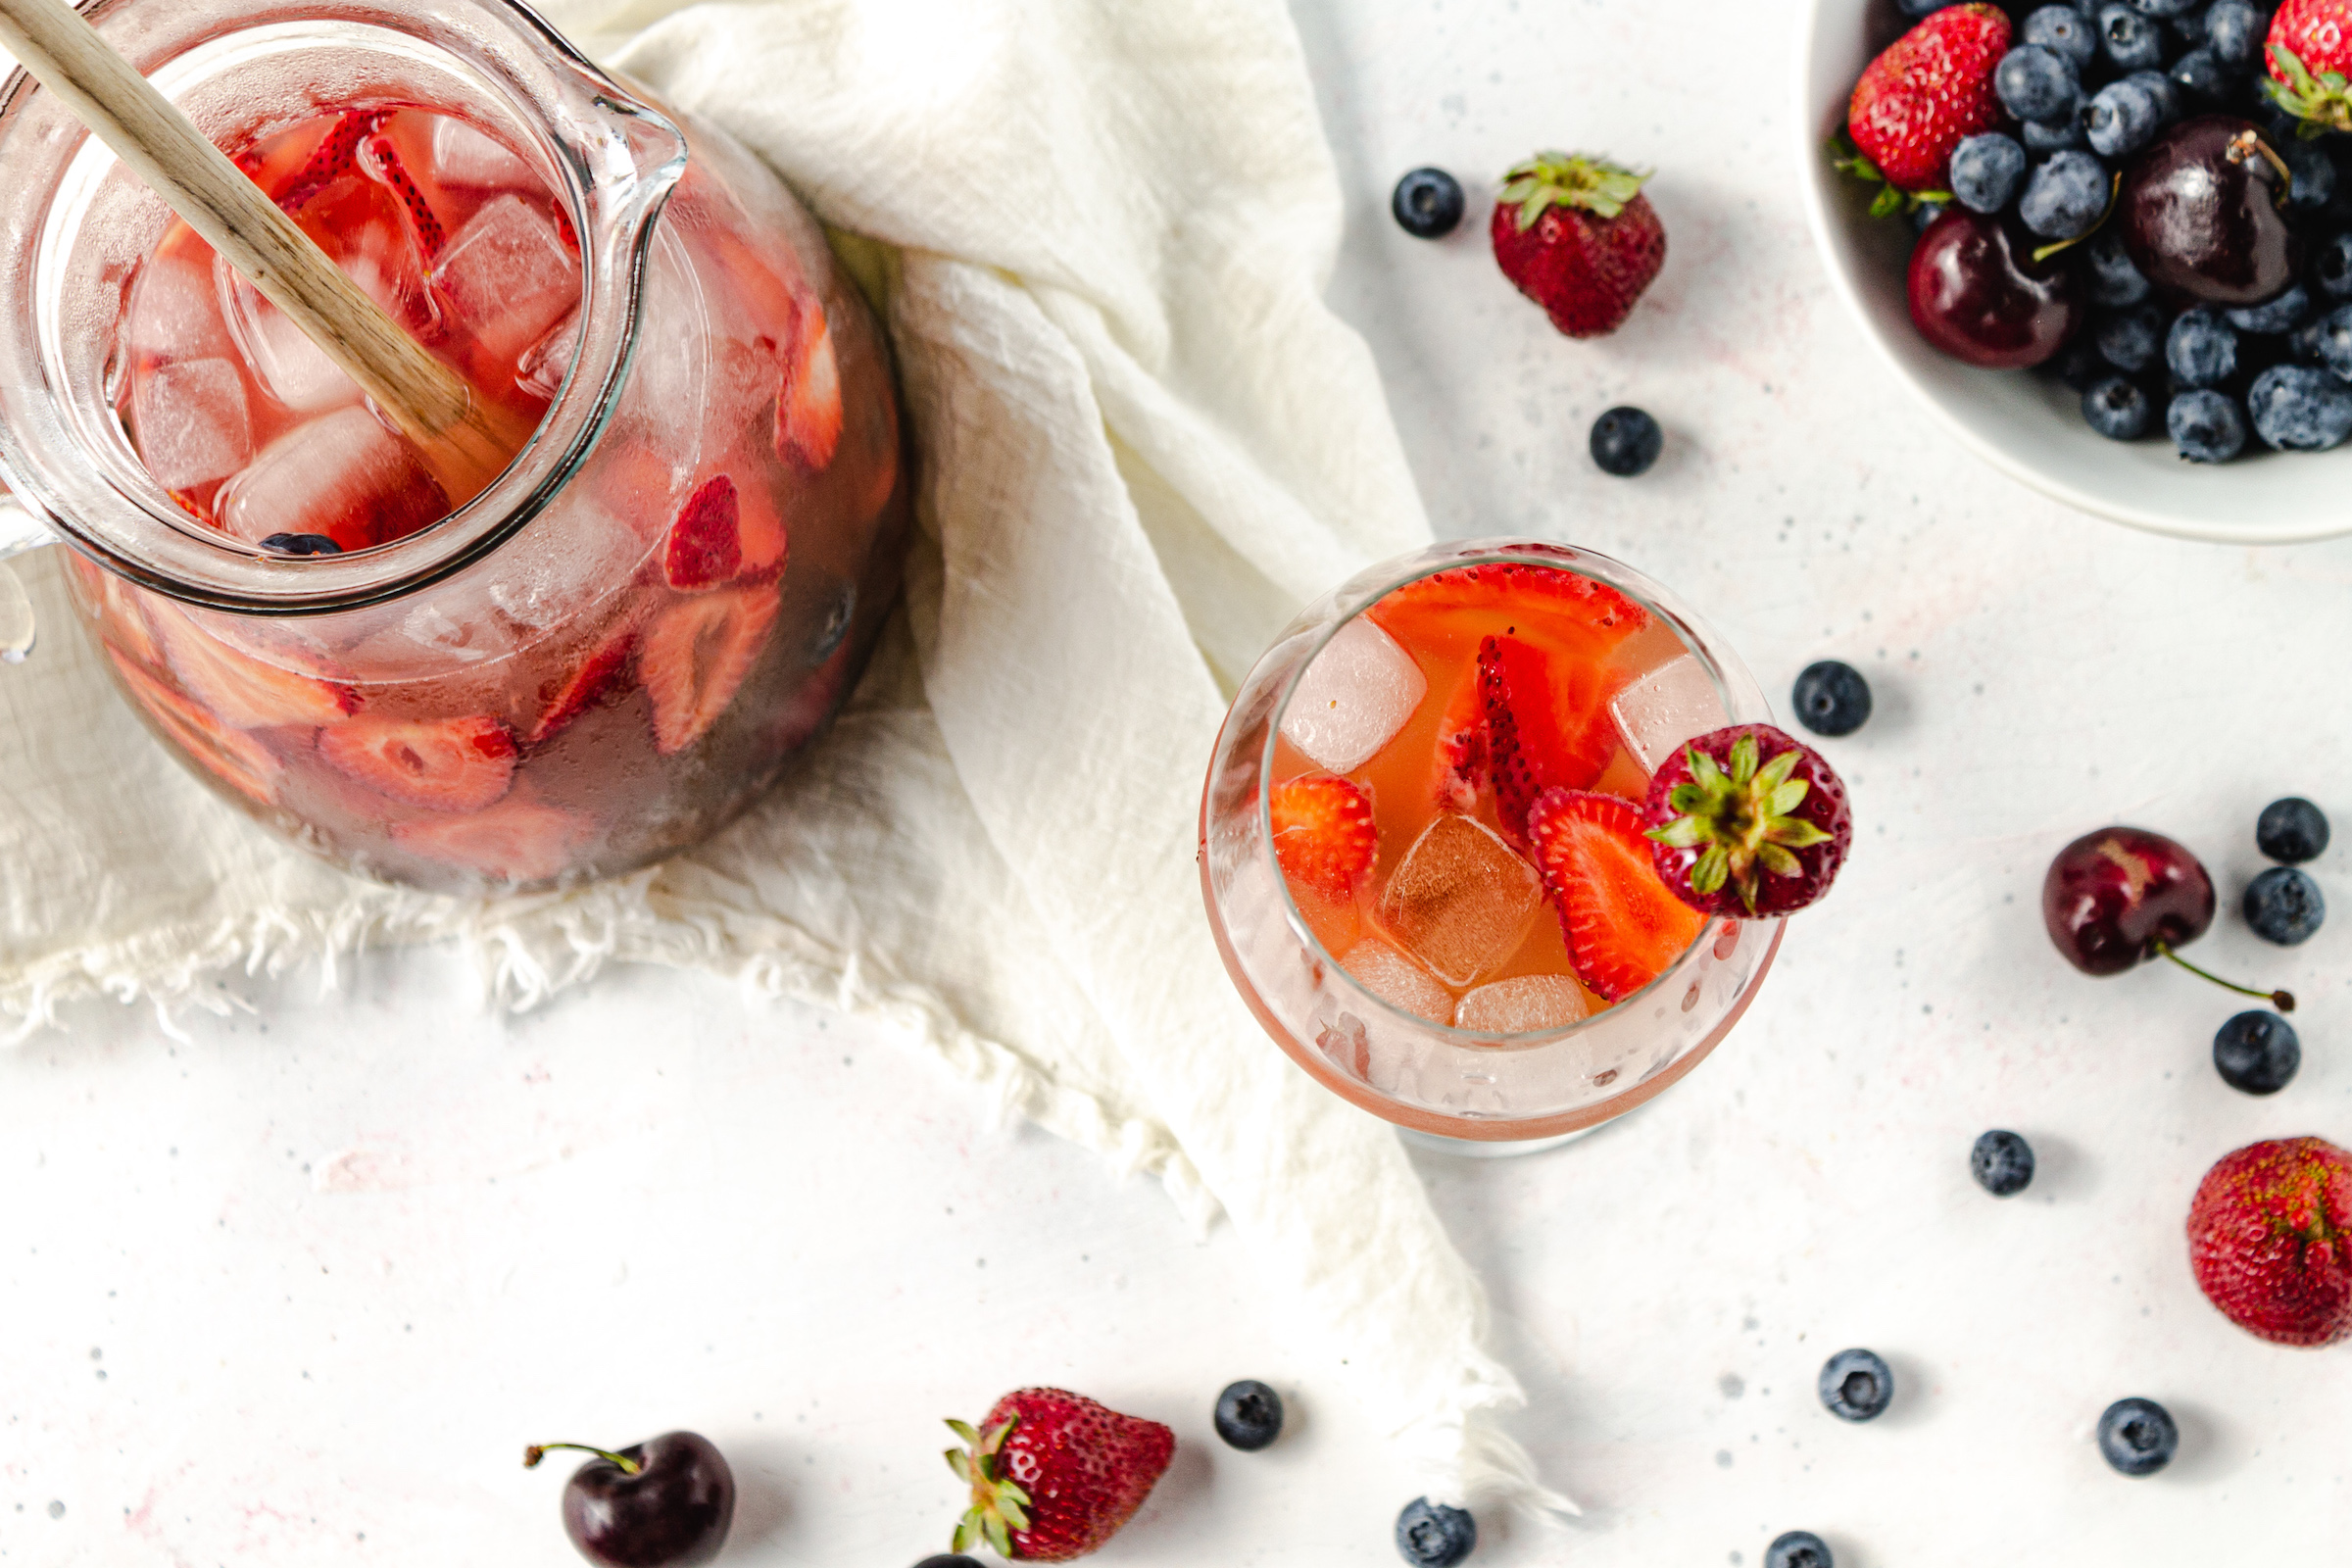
<point>690,596</point>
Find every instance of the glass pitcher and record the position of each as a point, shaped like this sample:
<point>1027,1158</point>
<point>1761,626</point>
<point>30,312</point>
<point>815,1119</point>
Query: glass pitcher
<point>604,656</point>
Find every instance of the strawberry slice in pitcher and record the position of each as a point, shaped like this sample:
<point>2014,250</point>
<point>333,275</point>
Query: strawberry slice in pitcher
<point>449,765</point>
<point>232,756</point>
<point>518,840</point>
<point>809,398</point>
<point>241,689</point>
<point>602,674</point>
<point>696,656</point>
<point>704,547</point>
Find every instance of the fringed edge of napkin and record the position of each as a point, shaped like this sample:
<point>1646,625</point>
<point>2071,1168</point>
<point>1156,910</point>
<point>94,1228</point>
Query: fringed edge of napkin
<point>528,951</point>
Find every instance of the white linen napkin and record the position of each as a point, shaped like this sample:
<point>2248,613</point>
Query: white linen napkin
<point>1104,232</point>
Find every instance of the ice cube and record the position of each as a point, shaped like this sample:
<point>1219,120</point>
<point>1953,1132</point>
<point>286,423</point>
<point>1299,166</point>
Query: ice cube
<point>564,563</point>
<point>506,277</point>
<point>1398,980</point>
<point>292,368</point>
<point>545,363</point>
<point>1665,708</point>
<point>466,156</point>
<point>176,311</point>
<point>667,375</point>
<point>1353,698</point>
<point>1460,900</point>
<point>192,422</point>
<point>343,475</point>
<point>1522,1005</point>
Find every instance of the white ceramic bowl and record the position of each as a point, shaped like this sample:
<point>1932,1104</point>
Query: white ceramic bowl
<point>2029,427</point>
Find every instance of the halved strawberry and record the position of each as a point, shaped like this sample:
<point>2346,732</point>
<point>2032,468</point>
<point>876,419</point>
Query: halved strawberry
<point>380,160</point>
<point>232,756</point>
<point>1539,601</point>
<point>240,689</point>
<point>704,544</point>
<point>1622,924</point>
<point>449,765</point>
<point>567,697</point>
<point>515,841</point>
<point>328,161</point>
<point>1462,748</point>
<point>1323,832</point>
<point>695,654</point>
<point>1540,730</point>
<point>809,398</point>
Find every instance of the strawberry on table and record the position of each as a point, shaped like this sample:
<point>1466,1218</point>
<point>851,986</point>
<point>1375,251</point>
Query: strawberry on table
<point>1054,1474</point>
<point>1622,924</point>
<point>2309,51</point>
<point>1930,90</point>
<point>1324,837</point>
<point>2270,1238</point>
<point>1578,238</point>
<point>1747,821</point>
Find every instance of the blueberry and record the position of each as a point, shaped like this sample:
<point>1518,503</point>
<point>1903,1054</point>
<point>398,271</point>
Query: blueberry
<point>2200,78</point>
<point>2206,426</point>
<point>2314,183</point>
<point>2330,340</point>
<point>949,1560</point>
<point>2138,1436</point>
<point>2065,196</point>
<point>2297,409</point>
<point>2234,32</point>
<point>2001,1162</point>
<point>2063,31</point>
<point>1922,214</point>
<point>2163,7</point>
<point>2054,135</point>
<point>2332,266</point>
<point>2257,1053</point>
<point>2131,42</point>
<point>2201,349</point>
<point>1985,171</point>
<point>1626,441</point>
<point>1922,7</point>
<point>2117,408</point>
<point>1798,1548</point>
<point>2284,905</point>
<point>2132,339</point>
<point>2168,96</point>
<point>2034,83</point>
<point>1427,204</point>
<point>2113,278</point>
<point>1248,1415</point>
<point>302,544</point>
<point>2121,118</point>
<point>1855,1385</point>
<point>2276,315</point>
<point>1831,698</point>
<point>2079,365</point>
<point>2291,831</point>
<point>1430,1535</point>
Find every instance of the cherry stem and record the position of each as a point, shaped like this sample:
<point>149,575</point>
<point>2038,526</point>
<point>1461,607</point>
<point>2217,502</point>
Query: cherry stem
<point>2283,1001</point>
<point>538,1450</point>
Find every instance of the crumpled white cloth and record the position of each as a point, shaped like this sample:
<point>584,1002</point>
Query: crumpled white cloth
<point>1146,442</point>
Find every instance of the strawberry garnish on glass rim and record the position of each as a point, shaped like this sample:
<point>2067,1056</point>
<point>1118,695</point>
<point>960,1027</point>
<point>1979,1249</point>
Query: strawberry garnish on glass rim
<point>1747,821</point>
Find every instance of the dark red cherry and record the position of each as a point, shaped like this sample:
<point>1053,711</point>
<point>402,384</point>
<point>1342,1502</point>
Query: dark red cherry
<point>2123,895</point>
<point>664,1504</point>
<point>2203,214</point>
<point>1977,294</point>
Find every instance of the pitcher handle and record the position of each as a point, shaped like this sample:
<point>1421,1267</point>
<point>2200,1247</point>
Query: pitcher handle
<point>20,531</point>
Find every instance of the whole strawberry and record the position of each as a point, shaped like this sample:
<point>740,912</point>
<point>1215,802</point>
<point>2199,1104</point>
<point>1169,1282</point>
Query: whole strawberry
<point>1578,238</point>
<point>1930,91</point>
<point>1747,821</point>
<point>2270,1238</point>
<point>2310,54</point>
<point>1053,1473</point>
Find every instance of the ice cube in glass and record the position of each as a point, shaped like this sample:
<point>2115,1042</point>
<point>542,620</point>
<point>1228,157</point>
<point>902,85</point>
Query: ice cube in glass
<point>1398,980</point>
<point>1665,708</point>
<point>1354,698</point>
<point>507,277</point>
<point>343,475</point>
<point>1460,900</point>
<point>473,160</point>
<point>176,311</point>
<point>1522,1005</point>
<point>192,422</point>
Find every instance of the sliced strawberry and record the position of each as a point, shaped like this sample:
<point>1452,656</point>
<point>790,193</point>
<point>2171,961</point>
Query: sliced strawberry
<point>1540,732</point>
<point>240,689</point>
<point>704,544</point>
<point>696,656</point>
<point>1548,597</point>
<point>1622,924</point>
<point>1323,832</point>
<point>380,160</point>
<point>232,756</point>
<point>598,676</point>
<point>809,398</point>
<point>328,161</point>
<point>1462,749</point>
<point>767,542</point>
<point>449,765</point>
<point>513,841</point>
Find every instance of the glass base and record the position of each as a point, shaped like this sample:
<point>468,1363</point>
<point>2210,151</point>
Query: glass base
<point>1497,1149</point>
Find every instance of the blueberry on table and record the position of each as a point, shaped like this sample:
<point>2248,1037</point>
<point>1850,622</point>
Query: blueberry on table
<point>2130,40</point>
<point>2284,905</point>
<point>2112,277</point>
<point>2297,409</point>
<point>2257,1053</point>
<point>2121,118</point>
<point>1798,1548</point>
<point>2130,339</point>
<point>2206,426</point>
<point>1248,1415</point>
<point>2064,32</point>
<point>1856,1385</point>
<point>2201,349</point>
<point>2291,831</point>
<point>2065,196</point>
<point>662,1503</point>
<point>302,544</point>
<point>1831,698</point>
<point>2002,1162</point>
<point>2118,408</point>
<point>1431,1535</point>
<point>2137,1436</point>
<point>2034,83</point>
<point>1626,441</point>
<point>2272,316</point>
<point>1428,203</point>
<point>1986,170</point>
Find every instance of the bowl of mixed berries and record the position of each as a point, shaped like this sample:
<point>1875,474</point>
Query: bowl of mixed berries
<point>2108,242</point>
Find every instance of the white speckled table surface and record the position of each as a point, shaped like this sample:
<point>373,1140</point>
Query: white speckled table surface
<point>297,1288</point>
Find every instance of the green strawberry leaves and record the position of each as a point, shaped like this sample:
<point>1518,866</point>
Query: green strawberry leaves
<point>999,1504</point>
<point>1744,816</point>
<point>1589,183</point>
<point>2320,104</point>
<point>1847,159</point>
